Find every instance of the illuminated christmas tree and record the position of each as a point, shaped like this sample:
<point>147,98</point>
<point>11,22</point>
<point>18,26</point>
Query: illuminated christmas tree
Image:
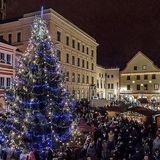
<point>39,106</point>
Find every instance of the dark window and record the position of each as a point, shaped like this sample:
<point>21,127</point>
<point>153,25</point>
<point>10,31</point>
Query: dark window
<point>111,76</point>
<point>108,85</point>
<point>67,40</point>
<point>145,76</point>
<point>128,87</point>
<point>73,43</point>
<point>87,65</point>
<point>67,58</point>
<point>19,37</point>
<point>97,83</point>
<point>128,77</point>
<point>108,76</point>
<point>83,48</point>
<point>92,80</point>
<point>58,36</point>
<point>67,76</point>
<point>153,76</point>
<point>92,66</point>
<point>87,79</point>
<point>145,86</point>
<point>78,62</point>
<point>135,67</point>
<point>2,58</point>
<point>8,83</point>
<point>59,55</point>
<point>1,82</point>
<point>87,50</point>
<point>92,53</point>
<point>73,77</point>
<point>112,86</point>
<point>138,77</point>
<point>73,60</point>
<point>78,78</point>
<point>83,79</point>
<point>101,84</point>
<point>1,36</point>
<point>78,46</point>
<point>138,87</point>
<point>8,59</point>
<point>83,63</point>
<point>10,38</point>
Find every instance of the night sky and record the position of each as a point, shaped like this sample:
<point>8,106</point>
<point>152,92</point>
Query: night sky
<point>121,27</point>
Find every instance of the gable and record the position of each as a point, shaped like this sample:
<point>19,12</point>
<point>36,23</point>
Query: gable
<point>142,62</point>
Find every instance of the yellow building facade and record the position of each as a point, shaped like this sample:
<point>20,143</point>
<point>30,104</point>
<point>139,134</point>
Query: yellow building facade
<point>140,78</point>
<point>77,51</point>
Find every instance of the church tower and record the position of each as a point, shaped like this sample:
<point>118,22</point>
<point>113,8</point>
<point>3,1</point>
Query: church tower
<point>2,10</point>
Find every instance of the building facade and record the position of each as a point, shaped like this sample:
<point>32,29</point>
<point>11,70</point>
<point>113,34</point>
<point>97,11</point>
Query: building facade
<point>101,82</point>
<point>77,51</point>
<point>112,83</point>
<point>7,68</point>
<point>140,78</point>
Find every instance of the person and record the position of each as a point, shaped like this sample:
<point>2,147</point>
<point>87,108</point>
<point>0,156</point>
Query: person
<point>104,150</point>
<point>23,156</point>
<point>49,155</point>
<point>68,153</point>
<point>91,152</point>
<point>156,143</point>
<point>31,156</point>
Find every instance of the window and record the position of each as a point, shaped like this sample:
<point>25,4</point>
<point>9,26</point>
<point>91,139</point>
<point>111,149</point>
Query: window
<point>67,76</point>
<point>1,82</point>
<point>156,86</point>
<point>128,77</point>
<point>92,53</point>
<point>1,37</point>
<point>153,76</point>
<point>8,83</point>
<point>73,60</point>
<point>58,36</point>
<point>87,50</point>
<point>73,77</point>
<point>112,86</point>
<point>128,87</point>
<point>138,77</point>
<point>92,66</point>
<point>92,80</point>
<point>135,67</point>
<point>67,40</point>
<point>10,38</point>
<point>78,78</point>
<point>145,87</point>
<point>108,85</point>
<point>78,46</point>
<point>78,62</point>
<point>108,76</point>
<point>111,76</point>
<point>2,58</point>
<point>101,84</point>
<point>97,83</point>
<point>83,48</point>
<point>144,67</point>
<point>67,58</point>
<point>73,43</point>
<point>83,63</point>
<point>87,65</point>
<point>145,76</point>
<point>59,55</point>
<point>87,80</point>
<point>19,37</point>
<point>83,79</point>
<point>138,87</point>
<point>8,59</point>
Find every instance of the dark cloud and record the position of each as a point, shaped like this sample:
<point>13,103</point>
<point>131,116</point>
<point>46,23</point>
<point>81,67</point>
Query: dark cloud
<point>121,27</point>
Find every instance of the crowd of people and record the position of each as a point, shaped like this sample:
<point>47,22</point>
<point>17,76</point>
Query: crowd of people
<point>114,138</point>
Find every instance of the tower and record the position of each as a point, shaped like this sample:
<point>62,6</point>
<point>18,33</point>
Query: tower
<point>2,10</point>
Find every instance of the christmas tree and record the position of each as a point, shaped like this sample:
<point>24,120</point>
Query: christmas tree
<point>39,106</point>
